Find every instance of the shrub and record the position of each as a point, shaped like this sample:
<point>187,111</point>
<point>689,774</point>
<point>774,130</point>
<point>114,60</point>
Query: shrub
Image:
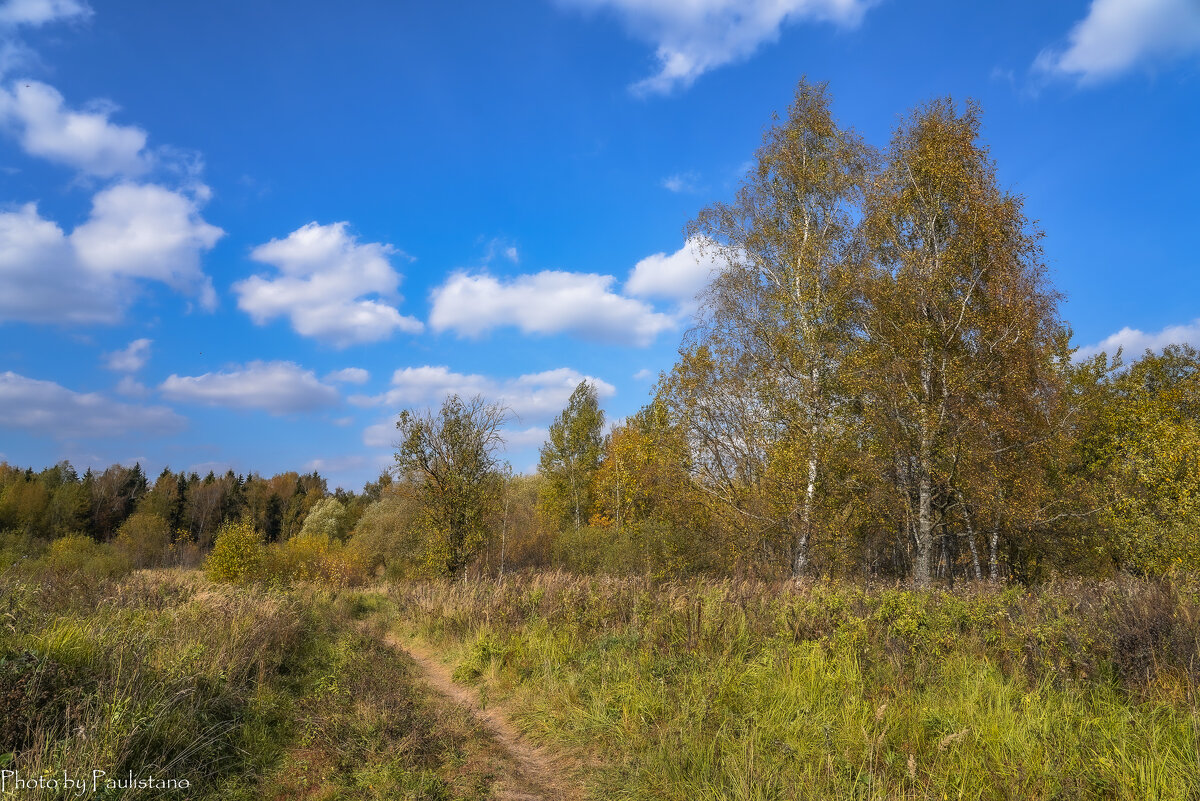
<point>328,517</point>
<point>77,553</point>
<point>238,554</point>
<point>145,538</point>
<point>314,557</point>
<point>386,536</point>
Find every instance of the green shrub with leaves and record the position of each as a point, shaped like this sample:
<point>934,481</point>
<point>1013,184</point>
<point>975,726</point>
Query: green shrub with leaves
<point>79,554</point>
<point>329,517</point>
<point>145,538</point>
<point>238,555</point>
<point>315,557</point>
<point>388,536</point>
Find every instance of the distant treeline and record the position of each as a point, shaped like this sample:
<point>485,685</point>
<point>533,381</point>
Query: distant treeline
<point>58,502</point>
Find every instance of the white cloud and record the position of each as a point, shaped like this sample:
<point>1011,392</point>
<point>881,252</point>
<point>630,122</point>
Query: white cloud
<point>148,231</point>
<point>337,464</point>
<point>133,232</point>
<point>696,36</point>
<point>548,302</point>
<point>511,254</point>
<point>326,285</point>
<point>540,396</point>
<point>519,439</point>
<point>348,375</point>
<point>1117,35</point>
<point>49,409</point>
<point>276,387</point>
<point>42,280</point>
<point>412,386</point>
<point>131,387</point>
<point>381,435</point>
<point>1135,342</point>
<point>130,358</point>
<point>679,276</point>
<point>532,398</point>
<point>643,374</point>
<point>85,140</point>
<point>40,12</point>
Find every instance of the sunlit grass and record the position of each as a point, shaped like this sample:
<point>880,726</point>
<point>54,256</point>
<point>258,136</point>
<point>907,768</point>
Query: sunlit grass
<point>724,690</point>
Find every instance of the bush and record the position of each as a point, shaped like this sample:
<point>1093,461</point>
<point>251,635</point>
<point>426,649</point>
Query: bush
<point>238,555</point>
<point>77,553</point>
<point>145,538</point>
<point>18,545</point>
<point>386,536</point>
<point>328,517</point>
<point>314,557</point>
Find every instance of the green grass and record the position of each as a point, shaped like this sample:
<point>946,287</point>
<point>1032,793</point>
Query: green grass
<point>245,692</point>
<point>726,690</point>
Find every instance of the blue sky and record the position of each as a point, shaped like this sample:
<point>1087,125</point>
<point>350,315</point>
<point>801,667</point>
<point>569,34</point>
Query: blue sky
<point>246,234</point>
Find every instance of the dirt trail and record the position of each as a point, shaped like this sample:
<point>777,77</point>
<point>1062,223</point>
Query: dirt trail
<point>528,772</point>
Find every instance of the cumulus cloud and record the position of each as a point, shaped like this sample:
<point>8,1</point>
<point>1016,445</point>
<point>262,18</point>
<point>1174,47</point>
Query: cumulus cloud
<point>42,279</point>
<point>331,286</point>
<point>83,139</point>
<point>533,398</point>
<point>548,302</point>
<point>1117,35</point>
<point>276,387</point>
<point>40,12</point>
<point>679,276</point>
<point>1135,342</point>
<point>338,464</point>
<point>49,409</point>
<point>521,438</point>
<point>134,231</point>
<point>348,375</point>
<point>694,37</point>
<point>148,231</point>
<point>130,358</point>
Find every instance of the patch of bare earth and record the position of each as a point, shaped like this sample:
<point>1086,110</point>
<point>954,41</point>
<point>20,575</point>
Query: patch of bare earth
<point>524,771</point>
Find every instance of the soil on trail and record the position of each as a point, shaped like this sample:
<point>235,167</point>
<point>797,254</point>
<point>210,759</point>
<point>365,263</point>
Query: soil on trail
<point>525,772</point>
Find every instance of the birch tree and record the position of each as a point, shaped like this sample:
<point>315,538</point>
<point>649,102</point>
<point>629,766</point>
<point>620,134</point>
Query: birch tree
<point>571,456</point>
<point>963,349</point>
<point>781,313</point>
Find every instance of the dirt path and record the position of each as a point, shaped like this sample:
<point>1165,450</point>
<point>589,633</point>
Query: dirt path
<point>528,772</point>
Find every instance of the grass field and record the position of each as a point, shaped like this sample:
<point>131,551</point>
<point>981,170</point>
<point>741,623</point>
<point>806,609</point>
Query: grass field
<point>242,692</point>
<point>726,690</point>
<point>677,690</point>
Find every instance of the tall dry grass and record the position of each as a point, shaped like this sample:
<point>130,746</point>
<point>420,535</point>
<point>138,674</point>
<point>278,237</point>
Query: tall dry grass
<point>746,690</point>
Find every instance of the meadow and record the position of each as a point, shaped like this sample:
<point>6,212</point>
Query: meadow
<point>227,691</point>
<point>744,690</point>
<point>285,669</point>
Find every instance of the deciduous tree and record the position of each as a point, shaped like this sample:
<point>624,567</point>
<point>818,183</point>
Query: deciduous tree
<point>571,456</point>
<point>451,457</point>
<point>781,313</point>
<point>962,350</point>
